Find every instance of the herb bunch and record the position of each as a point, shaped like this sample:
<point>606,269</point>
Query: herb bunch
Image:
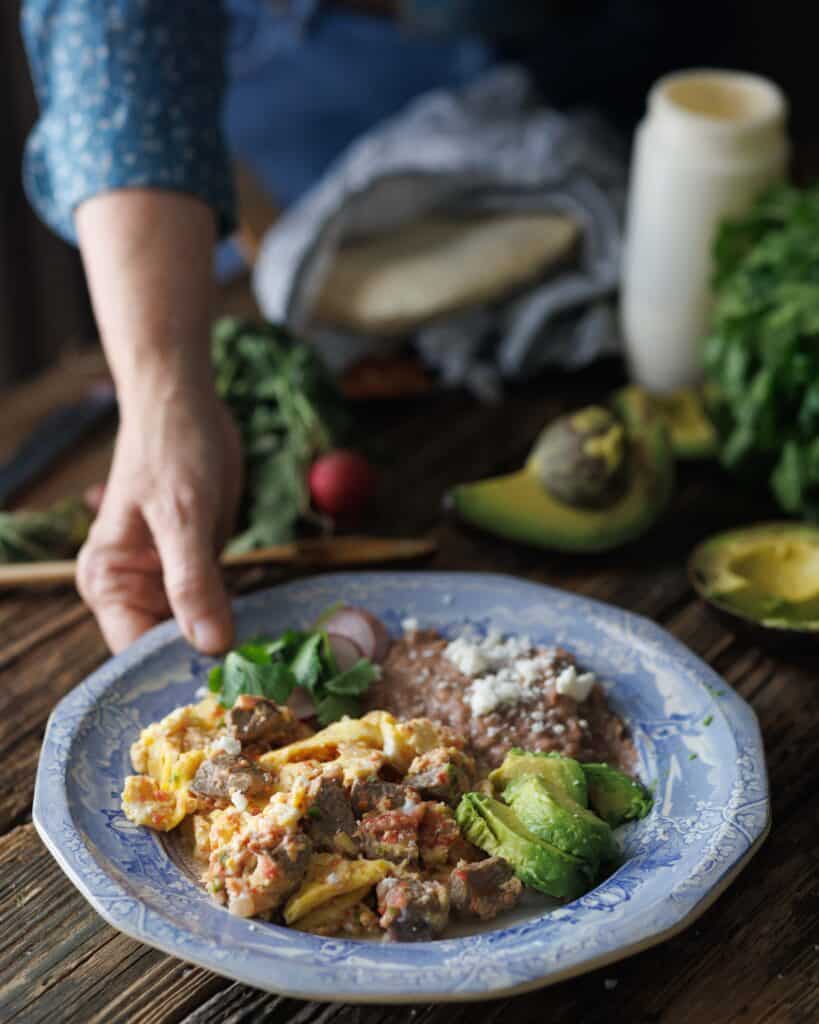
<point>762,355</point>
<point>32,535</point>
<point>288,410</point>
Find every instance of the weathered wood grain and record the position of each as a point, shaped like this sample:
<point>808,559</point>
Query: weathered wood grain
<point>753,957</point>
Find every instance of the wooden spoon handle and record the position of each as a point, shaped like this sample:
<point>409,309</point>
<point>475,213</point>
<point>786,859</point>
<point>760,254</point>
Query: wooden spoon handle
<point>323,551</point>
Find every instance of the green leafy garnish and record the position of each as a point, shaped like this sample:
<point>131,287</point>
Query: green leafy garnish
<point>272,668</point>
<point>37,535</point>
<point>331,708</point>
<point>306,666</point>
<point>242,674</point>
<point>762,355</point>
<point>288,410</point>
<point>354,681</point>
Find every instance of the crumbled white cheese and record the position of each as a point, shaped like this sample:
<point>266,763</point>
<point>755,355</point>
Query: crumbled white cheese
<point>281,812</point>
<point>510,671</point>
<point>409,625</point>
<point>466,657</point>
<point>576,685</point>
<point>239,800</point>
<point>201,692</point>
<point>390,745</point>
<point>488,692</point>
<point>226,744</point>
<point>558,728</point>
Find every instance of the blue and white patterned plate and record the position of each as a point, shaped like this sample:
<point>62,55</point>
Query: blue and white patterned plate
<point>698,745</point>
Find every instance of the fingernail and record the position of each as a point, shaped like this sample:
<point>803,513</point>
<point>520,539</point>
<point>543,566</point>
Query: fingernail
<point>208,636</point>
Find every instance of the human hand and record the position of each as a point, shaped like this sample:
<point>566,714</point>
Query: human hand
<point>168,507</point>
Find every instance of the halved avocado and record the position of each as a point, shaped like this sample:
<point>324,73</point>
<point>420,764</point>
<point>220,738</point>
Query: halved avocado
<point>693,435</point>
<point>496,829</point>
<point>563,775</point>
<point>766,575</point>
<point>551,816</point>
<point>520,506</point>
<point>615,797</point>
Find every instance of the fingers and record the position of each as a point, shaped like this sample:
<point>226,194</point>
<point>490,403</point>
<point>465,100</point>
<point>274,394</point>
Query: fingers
<point>119,577</point>
<point>185,539</point>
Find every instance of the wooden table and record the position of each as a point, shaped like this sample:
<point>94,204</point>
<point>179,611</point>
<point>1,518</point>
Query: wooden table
<point>753,957</point>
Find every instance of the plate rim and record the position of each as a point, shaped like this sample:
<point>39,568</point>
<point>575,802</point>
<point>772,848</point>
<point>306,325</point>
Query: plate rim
<point>167,633</point>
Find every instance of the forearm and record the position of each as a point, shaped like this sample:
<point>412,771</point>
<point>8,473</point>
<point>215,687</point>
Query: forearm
<point>148,259</point>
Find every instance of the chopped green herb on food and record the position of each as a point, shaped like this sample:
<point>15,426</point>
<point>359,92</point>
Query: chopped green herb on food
<point>708,720</point>
<point>692,757</point>
<point>273,668</point>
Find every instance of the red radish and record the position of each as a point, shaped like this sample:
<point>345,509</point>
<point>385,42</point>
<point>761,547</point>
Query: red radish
<point>366,631</point>
<point>345,651</point>
<point>341,483</point>
<point>301,703</point>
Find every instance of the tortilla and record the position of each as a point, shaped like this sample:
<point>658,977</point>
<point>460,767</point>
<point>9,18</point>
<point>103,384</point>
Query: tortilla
<point>391,284</point>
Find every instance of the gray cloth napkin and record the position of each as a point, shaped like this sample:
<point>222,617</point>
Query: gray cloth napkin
<point>485,148</point>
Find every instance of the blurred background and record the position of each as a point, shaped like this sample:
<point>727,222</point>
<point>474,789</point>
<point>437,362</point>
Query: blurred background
<point>43,303</point>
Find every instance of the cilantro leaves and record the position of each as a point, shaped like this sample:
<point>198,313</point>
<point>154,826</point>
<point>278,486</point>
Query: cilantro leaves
<point>288,410</point>
<point>273,668</point>
<point>762,355</point>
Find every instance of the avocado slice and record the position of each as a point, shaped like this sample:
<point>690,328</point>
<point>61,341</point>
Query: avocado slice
<point>495,828</point>
<point>561,822</point>
<point>693,435</point>
<point>614,796</point>
<point>519,506</point>
<point>766,574</point>
<point>563,776</point>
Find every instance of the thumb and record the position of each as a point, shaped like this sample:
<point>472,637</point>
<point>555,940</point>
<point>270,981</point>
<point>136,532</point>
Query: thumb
<point>193,581</point>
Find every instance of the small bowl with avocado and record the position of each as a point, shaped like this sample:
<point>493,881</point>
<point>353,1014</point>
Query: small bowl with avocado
<point>764,577</point>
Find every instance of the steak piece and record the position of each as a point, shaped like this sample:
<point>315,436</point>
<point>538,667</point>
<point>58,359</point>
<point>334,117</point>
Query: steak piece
<point>412,910</point>
<point>444,773</point>
<point>259,720</point>
<point>376,795</point>
<point>218,777</point>
<point>330,823</point>
<point>485,888</point>
<point>391,835</point>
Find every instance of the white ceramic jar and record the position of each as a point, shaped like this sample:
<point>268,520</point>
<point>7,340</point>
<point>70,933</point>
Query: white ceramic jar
<point>711,141</point>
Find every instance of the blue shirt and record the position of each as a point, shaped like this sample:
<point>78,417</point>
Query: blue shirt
<point>153,93</point>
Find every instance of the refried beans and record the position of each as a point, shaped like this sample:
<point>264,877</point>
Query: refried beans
<point>418,680</point>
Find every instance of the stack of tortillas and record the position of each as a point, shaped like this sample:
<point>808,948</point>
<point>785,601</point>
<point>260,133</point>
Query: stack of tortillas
<point>391,284</point>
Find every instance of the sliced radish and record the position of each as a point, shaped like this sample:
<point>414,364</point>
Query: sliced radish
<point>301,703</point>
<point>366,631</point>
<point>346,651</point>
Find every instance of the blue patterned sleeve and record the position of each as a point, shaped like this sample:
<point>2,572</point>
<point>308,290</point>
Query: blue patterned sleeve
<point>130,95</point>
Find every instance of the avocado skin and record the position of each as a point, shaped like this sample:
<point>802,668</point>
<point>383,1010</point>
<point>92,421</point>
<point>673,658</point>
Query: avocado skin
<point>563,823</point>
<point>563,776</point>
<point>615,797</point>
<point>497,830</point>
<point>693,435</point>
<point>518,507</point>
